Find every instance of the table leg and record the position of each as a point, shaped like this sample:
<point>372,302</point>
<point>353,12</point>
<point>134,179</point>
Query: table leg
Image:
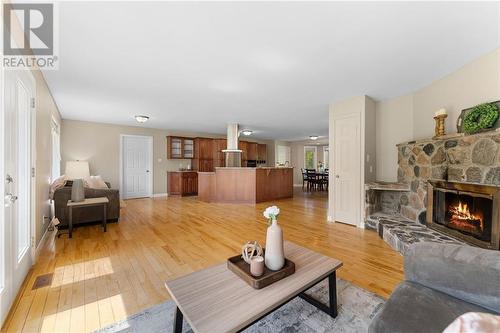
<point>104,217</point>
<point>332,294</point>
<point>331,309</point>
<point>178,321</point>
<point>70,223</point>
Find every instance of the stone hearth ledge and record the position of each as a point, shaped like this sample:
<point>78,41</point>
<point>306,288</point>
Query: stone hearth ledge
<point>400,233</point>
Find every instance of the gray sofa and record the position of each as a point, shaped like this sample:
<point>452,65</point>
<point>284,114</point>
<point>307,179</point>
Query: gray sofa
<point>441,283</point>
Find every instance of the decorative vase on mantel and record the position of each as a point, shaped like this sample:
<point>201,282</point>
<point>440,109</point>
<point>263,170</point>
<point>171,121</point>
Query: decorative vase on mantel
<point>274,255</point>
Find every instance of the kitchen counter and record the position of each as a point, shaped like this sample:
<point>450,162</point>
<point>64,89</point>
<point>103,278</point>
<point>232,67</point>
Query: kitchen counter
<point>245,185</point>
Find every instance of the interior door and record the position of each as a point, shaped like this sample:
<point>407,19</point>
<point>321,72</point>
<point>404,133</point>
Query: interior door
<point>137,168</point>
<point>347,169</point>
<point>18,185</point>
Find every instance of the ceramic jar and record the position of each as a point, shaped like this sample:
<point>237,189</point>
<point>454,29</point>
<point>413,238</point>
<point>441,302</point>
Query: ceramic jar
<point>77,191</point>
<point>274,254</point>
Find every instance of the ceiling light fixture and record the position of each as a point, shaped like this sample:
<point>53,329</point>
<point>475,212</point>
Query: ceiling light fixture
<point>141,119</point>
<point>313,137</point>
<point>247,132</point>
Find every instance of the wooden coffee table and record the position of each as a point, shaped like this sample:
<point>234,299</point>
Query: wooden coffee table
<point>216,300</point>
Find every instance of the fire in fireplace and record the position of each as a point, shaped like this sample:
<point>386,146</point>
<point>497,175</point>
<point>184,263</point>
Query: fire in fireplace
<point>465,211</point>
<point>458,216</point>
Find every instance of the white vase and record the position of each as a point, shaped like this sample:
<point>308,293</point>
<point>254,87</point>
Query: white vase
<point>274,256</point>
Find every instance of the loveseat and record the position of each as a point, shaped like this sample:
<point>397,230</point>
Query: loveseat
<point>441,283</point>
<point>86,214</point>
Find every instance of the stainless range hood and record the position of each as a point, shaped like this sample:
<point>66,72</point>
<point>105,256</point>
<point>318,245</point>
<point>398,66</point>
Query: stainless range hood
<point>232,153</point>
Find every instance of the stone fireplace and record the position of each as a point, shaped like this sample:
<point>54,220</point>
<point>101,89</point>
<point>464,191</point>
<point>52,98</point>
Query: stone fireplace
<point>456,158</point>
<point>446,192</point>
<point>465,211</point>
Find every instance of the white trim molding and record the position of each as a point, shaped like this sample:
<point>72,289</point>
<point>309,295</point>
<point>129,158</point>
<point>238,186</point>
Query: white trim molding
<point>160,195</point>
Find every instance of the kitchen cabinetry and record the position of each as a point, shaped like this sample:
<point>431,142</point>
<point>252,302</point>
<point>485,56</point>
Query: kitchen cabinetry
<point>180,147</point>
<point>218,155</point>
<point>252,151</point>
<point>182,183</point>
<point>262,153</point>
<point>204,154</point>
<point>243,145</point>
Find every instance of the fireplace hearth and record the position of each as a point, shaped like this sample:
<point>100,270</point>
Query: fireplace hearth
<point>465,211</point>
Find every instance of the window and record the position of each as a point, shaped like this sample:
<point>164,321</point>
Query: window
<point>56,150</point>
<point>283,155</point>
<point>310,157</point>
<point>326,157</point>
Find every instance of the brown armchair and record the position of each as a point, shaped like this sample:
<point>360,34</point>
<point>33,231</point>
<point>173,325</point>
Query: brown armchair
<point>87,214</point>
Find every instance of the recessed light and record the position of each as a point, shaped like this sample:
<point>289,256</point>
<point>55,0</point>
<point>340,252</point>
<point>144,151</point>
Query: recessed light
<point>313,137</point>
<point>141,119</point>
<point>247,132</point>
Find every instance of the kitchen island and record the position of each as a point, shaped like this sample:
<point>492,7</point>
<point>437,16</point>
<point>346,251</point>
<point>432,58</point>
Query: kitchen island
<point>245,185</point>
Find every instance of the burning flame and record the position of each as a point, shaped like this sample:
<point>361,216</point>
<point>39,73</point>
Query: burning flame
<point>461,213</point>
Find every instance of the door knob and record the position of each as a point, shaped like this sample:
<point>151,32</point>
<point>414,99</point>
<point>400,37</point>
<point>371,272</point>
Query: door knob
<point>9,179</point>
<point>337,176</point>
<point>147,170</point>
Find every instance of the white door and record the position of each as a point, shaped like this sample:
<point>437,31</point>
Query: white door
<point>16,230</point>
<point>347,168</point>
<point>137,166</point>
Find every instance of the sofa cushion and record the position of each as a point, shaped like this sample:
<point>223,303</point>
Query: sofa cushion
<point>95,182</point>
<point>415,308</point>
<point>469,273</point>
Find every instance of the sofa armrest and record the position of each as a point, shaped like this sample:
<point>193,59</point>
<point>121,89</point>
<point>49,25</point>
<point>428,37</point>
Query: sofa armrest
<point>465,272</point>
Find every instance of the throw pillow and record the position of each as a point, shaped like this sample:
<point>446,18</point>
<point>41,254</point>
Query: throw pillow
<point>94,182</point>
<point>474,322</point>
<point>57,184</point>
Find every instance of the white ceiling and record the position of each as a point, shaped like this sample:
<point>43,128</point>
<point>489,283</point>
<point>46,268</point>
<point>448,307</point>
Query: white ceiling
<point>272,67</point>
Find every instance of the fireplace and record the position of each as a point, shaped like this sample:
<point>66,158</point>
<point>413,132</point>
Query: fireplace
<point>465,211</point>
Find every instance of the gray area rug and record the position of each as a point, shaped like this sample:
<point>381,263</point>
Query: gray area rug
<point>356,309</point>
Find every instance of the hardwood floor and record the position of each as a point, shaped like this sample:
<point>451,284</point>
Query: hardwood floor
<point>100,278</point>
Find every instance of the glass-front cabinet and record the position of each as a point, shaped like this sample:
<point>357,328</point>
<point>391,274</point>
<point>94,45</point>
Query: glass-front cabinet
<point>179,147</point>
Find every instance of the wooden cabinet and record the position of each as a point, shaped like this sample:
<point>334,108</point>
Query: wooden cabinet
<point>252,151</point>
<point>180,147</point>
<point>243,145</point>
<point>218,155</point>
<point>262,153</point>
<point>204,154</point>
<point>204,148</point>
<point>205,165</point>
<point>182,183</point>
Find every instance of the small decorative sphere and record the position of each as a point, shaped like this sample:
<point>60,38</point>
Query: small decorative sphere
<point>251,249</point>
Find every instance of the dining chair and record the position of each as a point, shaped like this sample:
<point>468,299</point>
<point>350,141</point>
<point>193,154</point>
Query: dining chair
<point>312,180</point>
<point>304,178</point>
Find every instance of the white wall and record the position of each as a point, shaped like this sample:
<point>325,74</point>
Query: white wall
<point>410,117</point>
<point>99,144</point>
<point>370,142</point>
<point>365,107</point>
<point>394,125</point>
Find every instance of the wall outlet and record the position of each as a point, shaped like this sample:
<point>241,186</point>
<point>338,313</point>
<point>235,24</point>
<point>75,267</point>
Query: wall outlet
<point>371,169</point>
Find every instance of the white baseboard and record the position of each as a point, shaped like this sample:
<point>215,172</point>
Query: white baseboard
<point>297,185</point>
<point>159,195</point>
<point>42,242</point>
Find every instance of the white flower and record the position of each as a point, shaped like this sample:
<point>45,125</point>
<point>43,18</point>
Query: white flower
<point>271,212</point>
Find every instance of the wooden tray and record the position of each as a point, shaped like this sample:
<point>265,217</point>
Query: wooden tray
<point>239,267</point>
